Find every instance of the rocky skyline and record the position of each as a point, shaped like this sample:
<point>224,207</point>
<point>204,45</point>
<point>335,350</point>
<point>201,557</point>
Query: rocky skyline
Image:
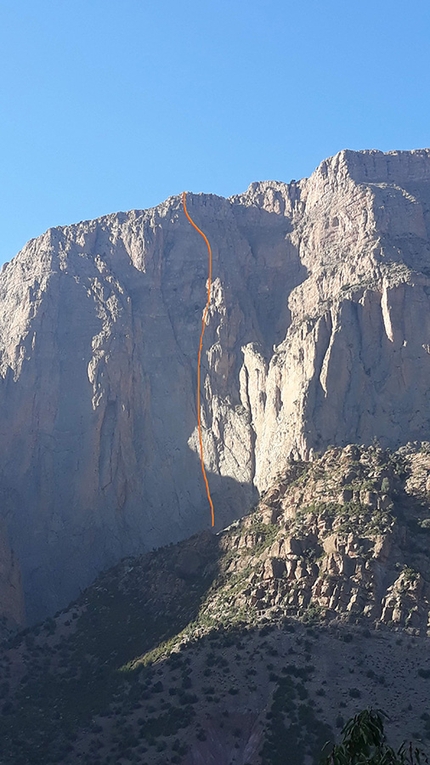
<point>318,334</point>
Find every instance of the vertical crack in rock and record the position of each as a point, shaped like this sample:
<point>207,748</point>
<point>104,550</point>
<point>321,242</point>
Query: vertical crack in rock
<point>318,334</point>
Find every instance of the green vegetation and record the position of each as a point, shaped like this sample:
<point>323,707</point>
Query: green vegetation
<point>265,535</point>
<point>83,674</point>
<point>364,743</point>
<point>292,724</point>
<point>209,622</point>
<point>350,517</point>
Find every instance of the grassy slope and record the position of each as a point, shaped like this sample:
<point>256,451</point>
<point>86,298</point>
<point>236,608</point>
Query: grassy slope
<point>244,684</point>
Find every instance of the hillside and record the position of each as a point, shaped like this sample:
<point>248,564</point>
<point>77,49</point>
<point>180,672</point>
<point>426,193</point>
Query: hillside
<point>318,334</point>
<point>240,646</point>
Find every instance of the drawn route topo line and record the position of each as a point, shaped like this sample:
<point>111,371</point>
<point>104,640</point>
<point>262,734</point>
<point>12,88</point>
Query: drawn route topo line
<point>199,357</point>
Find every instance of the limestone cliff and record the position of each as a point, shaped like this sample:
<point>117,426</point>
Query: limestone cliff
<point>318,333</point>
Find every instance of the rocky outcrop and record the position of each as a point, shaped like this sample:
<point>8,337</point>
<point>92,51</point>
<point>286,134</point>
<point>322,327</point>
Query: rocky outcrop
<point>243,645</point>
<point>346,539</point>
<point>318,333</point>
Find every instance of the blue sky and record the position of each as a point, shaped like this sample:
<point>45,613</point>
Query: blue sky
<point>115,104</point>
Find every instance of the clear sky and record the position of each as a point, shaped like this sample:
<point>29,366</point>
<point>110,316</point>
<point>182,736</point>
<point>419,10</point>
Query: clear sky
<point>109,105</point>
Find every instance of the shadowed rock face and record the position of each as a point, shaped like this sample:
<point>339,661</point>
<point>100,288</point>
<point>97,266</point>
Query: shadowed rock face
<point>11,595</point>
<point>319,333</point>
<point>243,646</point>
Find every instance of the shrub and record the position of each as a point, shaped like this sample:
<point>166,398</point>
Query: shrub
<point>364,741</point>
<point>385,485</point>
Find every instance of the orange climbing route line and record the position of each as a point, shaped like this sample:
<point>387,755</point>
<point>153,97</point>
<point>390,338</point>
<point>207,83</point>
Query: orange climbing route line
<point>199,357</point>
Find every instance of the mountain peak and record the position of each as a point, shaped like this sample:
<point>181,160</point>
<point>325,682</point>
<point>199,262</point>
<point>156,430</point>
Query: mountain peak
<point>317,334</point>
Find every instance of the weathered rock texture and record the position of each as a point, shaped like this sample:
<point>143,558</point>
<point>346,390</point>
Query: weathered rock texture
<point>239,647</point>
<point>319,333</point>
<point>345,537</point>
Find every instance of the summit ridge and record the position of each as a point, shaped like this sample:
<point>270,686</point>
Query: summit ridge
<point>318,335</point>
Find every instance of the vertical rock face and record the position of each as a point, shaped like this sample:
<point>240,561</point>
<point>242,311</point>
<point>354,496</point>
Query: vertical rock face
<point>355,359</point>
<point>319,333</point>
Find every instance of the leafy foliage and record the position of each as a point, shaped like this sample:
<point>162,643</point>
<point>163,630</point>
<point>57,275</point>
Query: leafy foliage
<point>364,743</point>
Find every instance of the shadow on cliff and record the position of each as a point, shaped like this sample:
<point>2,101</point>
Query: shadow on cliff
<point>143,602</point>
<point>147,600</point>
<point>63,525</point>
<point>232,500</point>
<point>67,573</point>
<point>130,612</point>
